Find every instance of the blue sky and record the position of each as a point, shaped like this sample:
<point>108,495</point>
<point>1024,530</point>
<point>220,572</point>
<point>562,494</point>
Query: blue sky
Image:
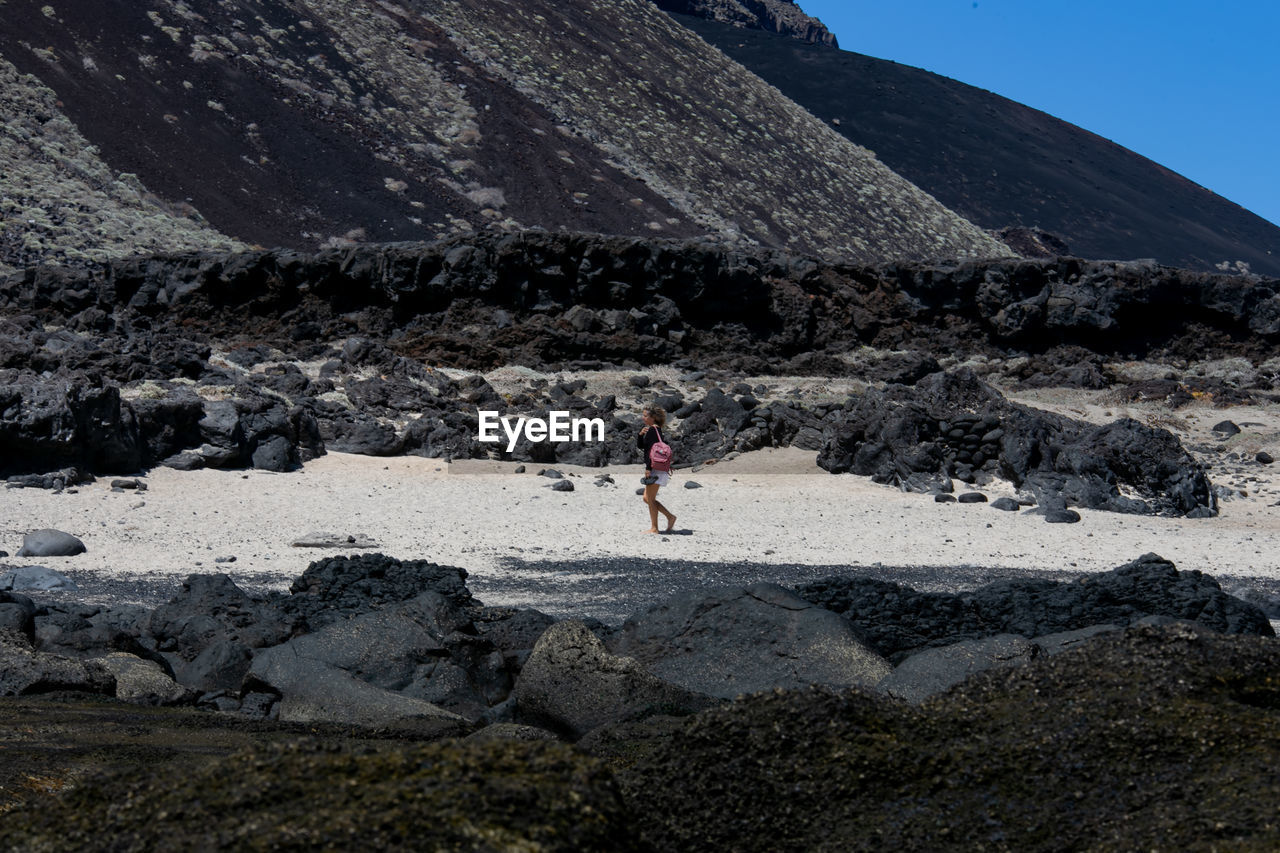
<point>1192,86</point>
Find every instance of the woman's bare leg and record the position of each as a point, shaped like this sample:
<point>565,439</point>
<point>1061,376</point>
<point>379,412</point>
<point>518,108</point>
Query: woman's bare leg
<point>651,498</point>
<point>655,507</point>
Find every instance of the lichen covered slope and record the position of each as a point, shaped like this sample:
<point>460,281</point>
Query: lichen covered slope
<point>725,147</point>
<point>302,123</point>
<point>60,201</point>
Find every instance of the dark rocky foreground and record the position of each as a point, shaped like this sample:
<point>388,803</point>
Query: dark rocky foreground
<point>198,361</point>
<point>379,703</point>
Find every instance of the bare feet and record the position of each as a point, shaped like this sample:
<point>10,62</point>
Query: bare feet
<point>671,524</point>
<point>653,530</point>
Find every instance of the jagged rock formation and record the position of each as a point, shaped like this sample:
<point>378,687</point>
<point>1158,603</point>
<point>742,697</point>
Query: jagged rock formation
<point>956,425</point>
<point>775,16</point>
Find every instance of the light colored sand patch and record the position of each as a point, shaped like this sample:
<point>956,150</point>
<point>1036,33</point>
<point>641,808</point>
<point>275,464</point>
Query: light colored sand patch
<point>773,506</point>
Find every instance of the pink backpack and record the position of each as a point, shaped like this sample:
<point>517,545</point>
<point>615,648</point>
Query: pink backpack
<point>660,454</point>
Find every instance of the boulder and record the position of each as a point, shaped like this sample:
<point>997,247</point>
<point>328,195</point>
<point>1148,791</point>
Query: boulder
<point>728,642</point>
<point>210,627</point>
<point>896,620</point>
<point>423,648</point>
<point>509,731</point>
<point>311,691</point>
<point>88,631</point>
<point>144,682</point>
<point>35,578</point>
<point>934,670</point>
<point>956,425</point>
<point>24,671</point>
<point>56,423</point>
<point>341,587</point>
<point>53,480</point>
<point>1065,641</point>
<point>50,543</point>
<point>17,614</point>
<point>571,685</point>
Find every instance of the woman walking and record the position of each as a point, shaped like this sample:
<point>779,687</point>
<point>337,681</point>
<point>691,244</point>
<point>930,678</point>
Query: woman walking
<point>657,472</point>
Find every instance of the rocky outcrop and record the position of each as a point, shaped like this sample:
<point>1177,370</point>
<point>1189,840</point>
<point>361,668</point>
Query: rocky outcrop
<point>730,642</point>
<point>424,649</point>
<point>25,671</point>
<point>541,299</point>
<point>776,16</point>
<point>955,425</point>
<point>896,621</point>
<point>1067,751</point>
<point>571,685</point>
<point>934,670</point>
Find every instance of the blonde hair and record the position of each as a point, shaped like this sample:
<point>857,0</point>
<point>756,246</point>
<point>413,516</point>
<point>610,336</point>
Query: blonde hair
<point>658,414</point>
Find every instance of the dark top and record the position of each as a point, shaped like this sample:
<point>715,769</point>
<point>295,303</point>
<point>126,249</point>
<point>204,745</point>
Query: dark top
<point>646,442</point>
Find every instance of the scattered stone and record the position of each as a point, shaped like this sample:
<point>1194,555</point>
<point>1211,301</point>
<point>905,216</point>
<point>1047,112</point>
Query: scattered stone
<point>519,469</point>
<point>134,484</point>
<point>551,473</point>
<point>604,480</point>
<point>334,540</point>
<point>972,498</point>
<point>1226,429</point>
<point>1070,516</point>
<point>692,484</point>
<point>1264,457</point>
<point>638,381</point>
<point>943,498</point>
<point>1006,504</point>
<point>224,559</point>
<point>562,486</point>
<point>50,543</point>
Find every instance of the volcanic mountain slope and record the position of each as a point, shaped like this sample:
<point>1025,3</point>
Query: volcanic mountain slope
<point>302,122</point>
<point>1003,164</point>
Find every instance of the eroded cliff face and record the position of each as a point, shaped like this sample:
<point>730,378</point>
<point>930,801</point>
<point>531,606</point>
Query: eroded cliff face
<point>307,123</point>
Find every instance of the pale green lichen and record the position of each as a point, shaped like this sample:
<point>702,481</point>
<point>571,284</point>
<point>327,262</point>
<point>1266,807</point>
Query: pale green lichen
<point>59,201</point>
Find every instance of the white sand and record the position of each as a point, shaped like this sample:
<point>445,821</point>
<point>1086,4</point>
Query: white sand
<point>773,506</point>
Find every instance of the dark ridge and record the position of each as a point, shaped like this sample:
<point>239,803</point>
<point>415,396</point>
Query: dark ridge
<point>1001,164</point>
<point>558,295</point>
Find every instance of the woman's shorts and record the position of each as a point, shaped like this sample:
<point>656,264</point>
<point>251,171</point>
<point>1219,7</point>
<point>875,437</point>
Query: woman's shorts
<point>664,477</point>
